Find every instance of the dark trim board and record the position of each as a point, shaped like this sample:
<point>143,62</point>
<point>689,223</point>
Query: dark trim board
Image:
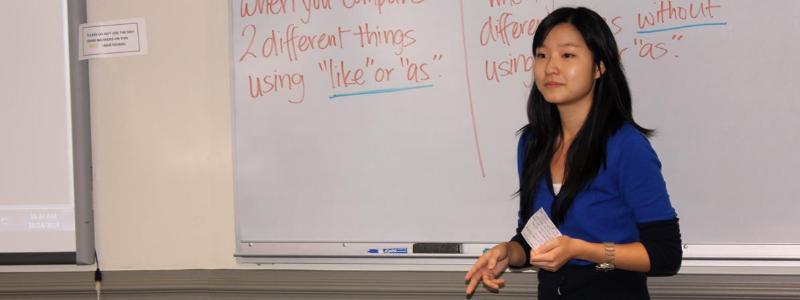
<point>38,258</point>
<point>275,284</point>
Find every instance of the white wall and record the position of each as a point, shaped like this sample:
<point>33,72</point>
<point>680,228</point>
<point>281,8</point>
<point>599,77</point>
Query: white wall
<point>161,130</point>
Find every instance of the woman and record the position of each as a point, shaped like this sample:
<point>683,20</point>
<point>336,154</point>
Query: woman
<point>584,160</point>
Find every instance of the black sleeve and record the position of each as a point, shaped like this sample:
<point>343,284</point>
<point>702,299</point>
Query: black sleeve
<point>525,248</point>
<point>662,239</point>
<point>522,144</point>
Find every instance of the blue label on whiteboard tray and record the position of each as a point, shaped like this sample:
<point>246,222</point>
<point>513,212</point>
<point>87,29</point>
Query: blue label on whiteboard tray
<point>373,251</point>
<point>395,250</point>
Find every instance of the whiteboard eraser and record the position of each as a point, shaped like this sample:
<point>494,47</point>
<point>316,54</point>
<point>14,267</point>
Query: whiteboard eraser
<point>437,248</point>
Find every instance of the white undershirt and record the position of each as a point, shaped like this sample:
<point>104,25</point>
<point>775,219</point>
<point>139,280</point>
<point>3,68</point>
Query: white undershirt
<point>556,188</point>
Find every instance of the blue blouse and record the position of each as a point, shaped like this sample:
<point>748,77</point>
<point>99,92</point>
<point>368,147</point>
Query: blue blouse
<point>629,189</point>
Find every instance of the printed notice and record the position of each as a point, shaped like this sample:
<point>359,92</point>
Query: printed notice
<point>110,39</point>
<point>539,229</point>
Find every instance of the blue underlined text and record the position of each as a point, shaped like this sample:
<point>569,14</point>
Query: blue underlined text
<point>379,91</point>
<point>682,27</point>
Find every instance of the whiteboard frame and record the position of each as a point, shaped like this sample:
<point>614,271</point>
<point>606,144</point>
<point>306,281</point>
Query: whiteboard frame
<point>82,140</point>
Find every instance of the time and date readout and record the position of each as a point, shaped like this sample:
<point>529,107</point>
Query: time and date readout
<point>50,220</point>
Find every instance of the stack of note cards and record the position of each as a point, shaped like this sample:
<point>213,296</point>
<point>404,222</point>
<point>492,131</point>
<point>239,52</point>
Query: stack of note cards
<point>539,229</point>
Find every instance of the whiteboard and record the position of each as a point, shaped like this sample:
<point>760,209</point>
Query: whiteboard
<point>395,122</point>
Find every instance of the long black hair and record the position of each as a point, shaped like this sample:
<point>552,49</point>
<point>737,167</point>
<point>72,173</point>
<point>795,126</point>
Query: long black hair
<point>610,109</point>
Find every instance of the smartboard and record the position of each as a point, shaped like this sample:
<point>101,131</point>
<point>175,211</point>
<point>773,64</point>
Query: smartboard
<point>45,179</point>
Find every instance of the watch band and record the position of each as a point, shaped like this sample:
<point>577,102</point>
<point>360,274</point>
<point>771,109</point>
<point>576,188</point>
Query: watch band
<point>609,250</point>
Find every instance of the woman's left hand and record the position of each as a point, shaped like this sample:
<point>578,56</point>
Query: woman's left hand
<point>554,254</point>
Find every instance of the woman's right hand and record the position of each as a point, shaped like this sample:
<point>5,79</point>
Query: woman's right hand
<point>488,268</point>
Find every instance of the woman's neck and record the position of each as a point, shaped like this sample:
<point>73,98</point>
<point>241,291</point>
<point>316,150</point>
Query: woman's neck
<point>572,117</point>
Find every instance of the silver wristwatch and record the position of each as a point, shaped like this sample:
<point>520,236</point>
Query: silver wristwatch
<point>610,255</point>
